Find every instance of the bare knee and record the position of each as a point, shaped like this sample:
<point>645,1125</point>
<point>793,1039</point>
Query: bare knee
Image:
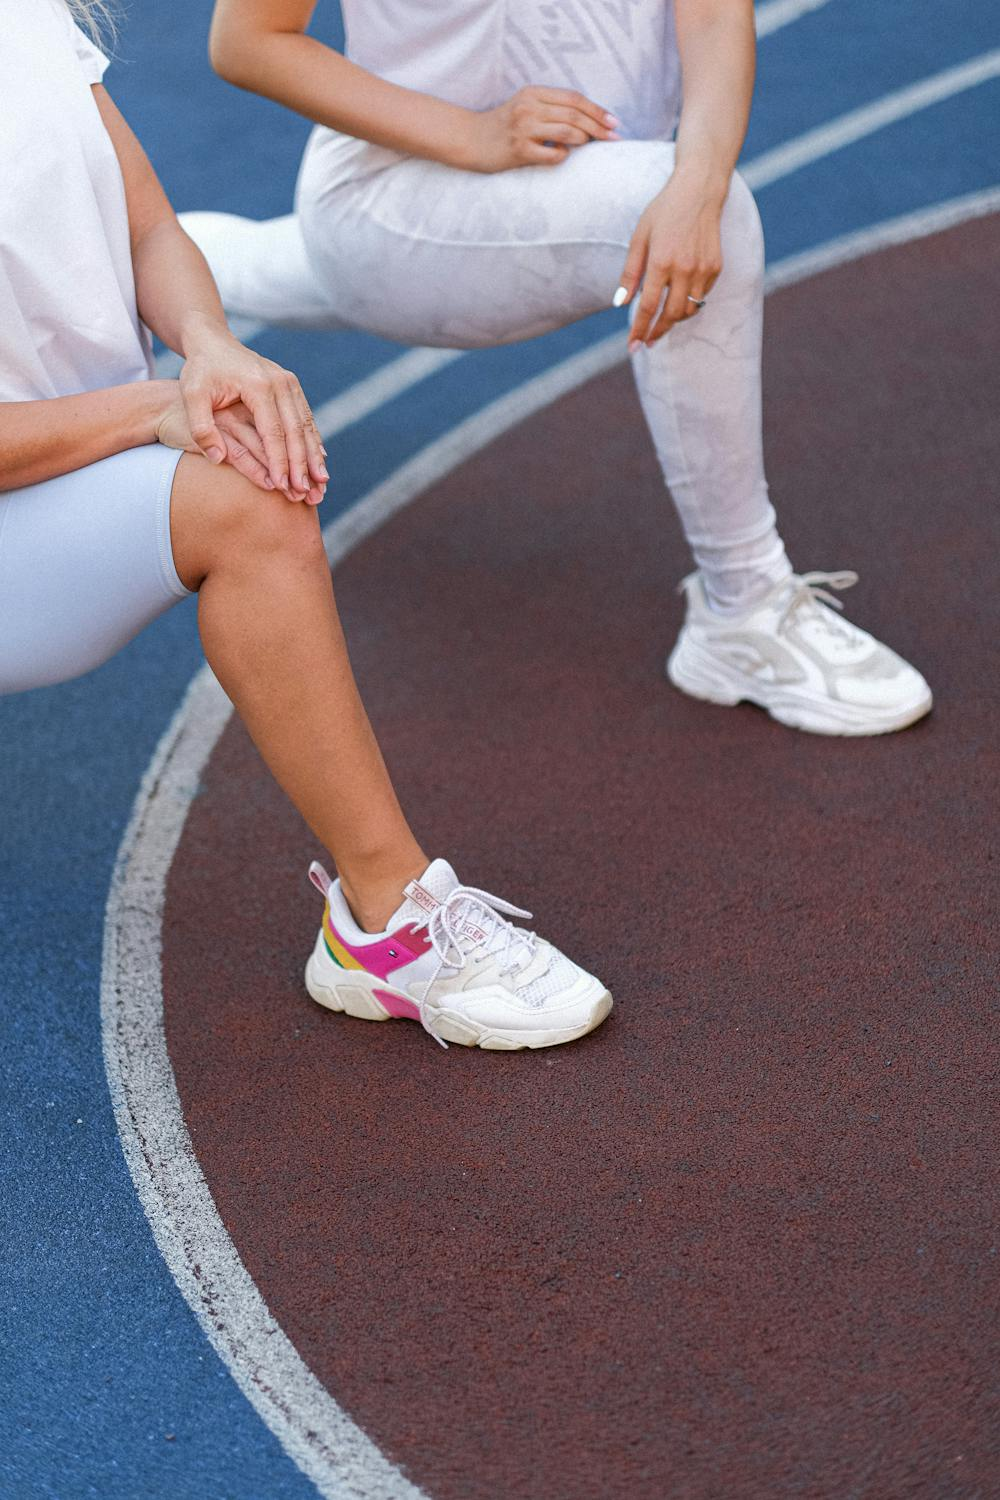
<point>218,518</point>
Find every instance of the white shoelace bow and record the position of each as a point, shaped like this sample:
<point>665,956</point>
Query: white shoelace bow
<point>468,906</point>
<point>808,589</point>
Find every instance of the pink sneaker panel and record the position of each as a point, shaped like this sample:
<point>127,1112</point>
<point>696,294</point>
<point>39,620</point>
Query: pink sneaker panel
<point>397,1005</point>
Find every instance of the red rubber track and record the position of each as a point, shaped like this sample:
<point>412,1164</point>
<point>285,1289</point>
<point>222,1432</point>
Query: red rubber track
<point>742,1241</point>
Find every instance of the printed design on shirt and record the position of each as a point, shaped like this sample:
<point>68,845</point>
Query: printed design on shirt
<point>621,53</point>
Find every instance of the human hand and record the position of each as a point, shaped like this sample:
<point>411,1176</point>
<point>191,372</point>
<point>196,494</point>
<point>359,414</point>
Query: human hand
<point>244,448</point>
<point>218,373</point>
<point>536,127</point>
<point>677,249</point>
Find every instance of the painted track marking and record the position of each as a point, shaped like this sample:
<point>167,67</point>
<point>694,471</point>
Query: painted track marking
<point>858,123</point>
<point>774,14</point>
<point>315,1431</point>
<point>384,384</point>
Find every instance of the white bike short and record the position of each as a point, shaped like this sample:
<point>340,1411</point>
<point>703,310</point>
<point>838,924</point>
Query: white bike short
<point>85,563</point>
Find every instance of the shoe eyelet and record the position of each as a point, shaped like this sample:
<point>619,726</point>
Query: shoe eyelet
<point>393,953</point>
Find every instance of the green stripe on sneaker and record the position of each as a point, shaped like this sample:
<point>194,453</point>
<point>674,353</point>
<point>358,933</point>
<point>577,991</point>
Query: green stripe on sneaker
<point>326,945</point>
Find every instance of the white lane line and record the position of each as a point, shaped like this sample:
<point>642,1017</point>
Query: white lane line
<point>913,226</point>
<point>445,453</point>
<point>317,1434</point>
<point>398,375</point>
<point>859,123</point>
<point>320,1437</point>
<point>384,384</point>
<point>358,400</point>
<point>773,14</point>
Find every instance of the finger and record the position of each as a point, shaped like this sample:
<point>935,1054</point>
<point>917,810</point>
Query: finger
<point>563,135</point>
<point>648,305</point>
<point>292,421</point>
<point>697,293</point>
<point>635,264</point>
<point>315,452</point>
<point>201,420</point>
<point>243,461</point>
<point>537,155</point>
<point>676,306</point>
<point>267,420</point>
<point>556,114</point>
<point>236,429</point>
<point>571,99</point>
<point>674,309</point>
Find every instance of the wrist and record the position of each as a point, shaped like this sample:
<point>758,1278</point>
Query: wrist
<point>463,138</point>
<point>711,181</point>
<point>153,399</point>
<point>201,329</point>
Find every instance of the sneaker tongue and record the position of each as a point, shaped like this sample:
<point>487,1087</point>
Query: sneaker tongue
<point>438,881</point>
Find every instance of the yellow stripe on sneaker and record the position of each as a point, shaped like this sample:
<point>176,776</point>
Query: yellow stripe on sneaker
<point>335,948</point>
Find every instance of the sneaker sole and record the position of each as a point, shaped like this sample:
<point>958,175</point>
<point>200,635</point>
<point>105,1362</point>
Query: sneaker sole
<point>701,676</point>
<point>356,997</point>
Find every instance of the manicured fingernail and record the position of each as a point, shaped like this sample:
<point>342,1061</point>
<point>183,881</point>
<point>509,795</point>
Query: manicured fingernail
<point>620,297</point>
<point>634,345</point>
<point>611,120</point>
<point>323,451</point>
<point>283,482</point>
<point>613,135</point>
<point>214,455</point>
<point>268,482</point>
<point>323,474</point>
<point>304,481</point>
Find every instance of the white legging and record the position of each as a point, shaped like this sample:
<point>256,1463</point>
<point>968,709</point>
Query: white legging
<point>427,254</point>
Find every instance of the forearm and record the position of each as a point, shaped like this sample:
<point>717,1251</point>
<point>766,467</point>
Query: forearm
<point>311,78</point>
<point>175,292</point>
<point>717,48</point>
<point>42,439</point>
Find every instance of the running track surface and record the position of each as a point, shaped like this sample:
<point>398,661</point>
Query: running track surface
<point>827,1208</point>
<point>742,1241</point>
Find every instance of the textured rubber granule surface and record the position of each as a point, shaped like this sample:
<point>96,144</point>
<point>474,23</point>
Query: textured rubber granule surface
<point>742,1240</point>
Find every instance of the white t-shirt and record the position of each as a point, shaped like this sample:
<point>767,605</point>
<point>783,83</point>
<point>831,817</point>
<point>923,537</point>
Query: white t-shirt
<point>68,319</point>
<point>620,53</point>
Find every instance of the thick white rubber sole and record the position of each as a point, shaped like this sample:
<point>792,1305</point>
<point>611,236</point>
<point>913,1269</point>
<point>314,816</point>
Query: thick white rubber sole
<point>354,995</point>
<point>700,674</point>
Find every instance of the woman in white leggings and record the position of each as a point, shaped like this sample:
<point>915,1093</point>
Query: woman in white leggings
<point>120,494</point>
<point>487,170</point>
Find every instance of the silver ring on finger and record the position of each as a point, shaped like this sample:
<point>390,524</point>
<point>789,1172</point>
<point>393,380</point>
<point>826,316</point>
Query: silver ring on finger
<point>698,301</point>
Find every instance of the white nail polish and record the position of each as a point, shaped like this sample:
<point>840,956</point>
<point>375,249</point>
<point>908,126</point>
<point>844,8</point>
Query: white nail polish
<point>620,297</point>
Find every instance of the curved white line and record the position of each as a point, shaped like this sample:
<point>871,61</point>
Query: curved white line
<point>773,14</point>
<point>858,123</point>
<point>384,384</point>
<point>322,1439</point>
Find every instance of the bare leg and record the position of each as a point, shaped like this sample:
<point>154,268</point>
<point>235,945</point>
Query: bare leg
<point>271,633</point>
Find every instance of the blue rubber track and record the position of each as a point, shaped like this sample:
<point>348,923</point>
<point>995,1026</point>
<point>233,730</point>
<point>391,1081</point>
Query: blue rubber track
<point>111,1388</point>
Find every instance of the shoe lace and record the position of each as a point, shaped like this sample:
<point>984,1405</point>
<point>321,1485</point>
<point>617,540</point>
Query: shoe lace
<point>474,914</point>
<point>808,590</point>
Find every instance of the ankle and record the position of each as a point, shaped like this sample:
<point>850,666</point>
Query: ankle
<point>373,896</point>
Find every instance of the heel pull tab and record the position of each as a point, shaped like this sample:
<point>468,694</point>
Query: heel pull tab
<point>320,879</point>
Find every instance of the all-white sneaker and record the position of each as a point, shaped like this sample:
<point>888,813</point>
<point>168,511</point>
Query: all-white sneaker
<point>794,656</point>
<point>449,959</point>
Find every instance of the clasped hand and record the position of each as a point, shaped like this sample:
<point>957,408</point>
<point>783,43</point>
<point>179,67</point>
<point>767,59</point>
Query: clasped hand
<point>233,405</point>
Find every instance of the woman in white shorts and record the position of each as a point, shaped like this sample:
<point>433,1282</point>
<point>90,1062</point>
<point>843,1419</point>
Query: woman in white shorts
<point>120,494</point>
<point>486,170</point>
